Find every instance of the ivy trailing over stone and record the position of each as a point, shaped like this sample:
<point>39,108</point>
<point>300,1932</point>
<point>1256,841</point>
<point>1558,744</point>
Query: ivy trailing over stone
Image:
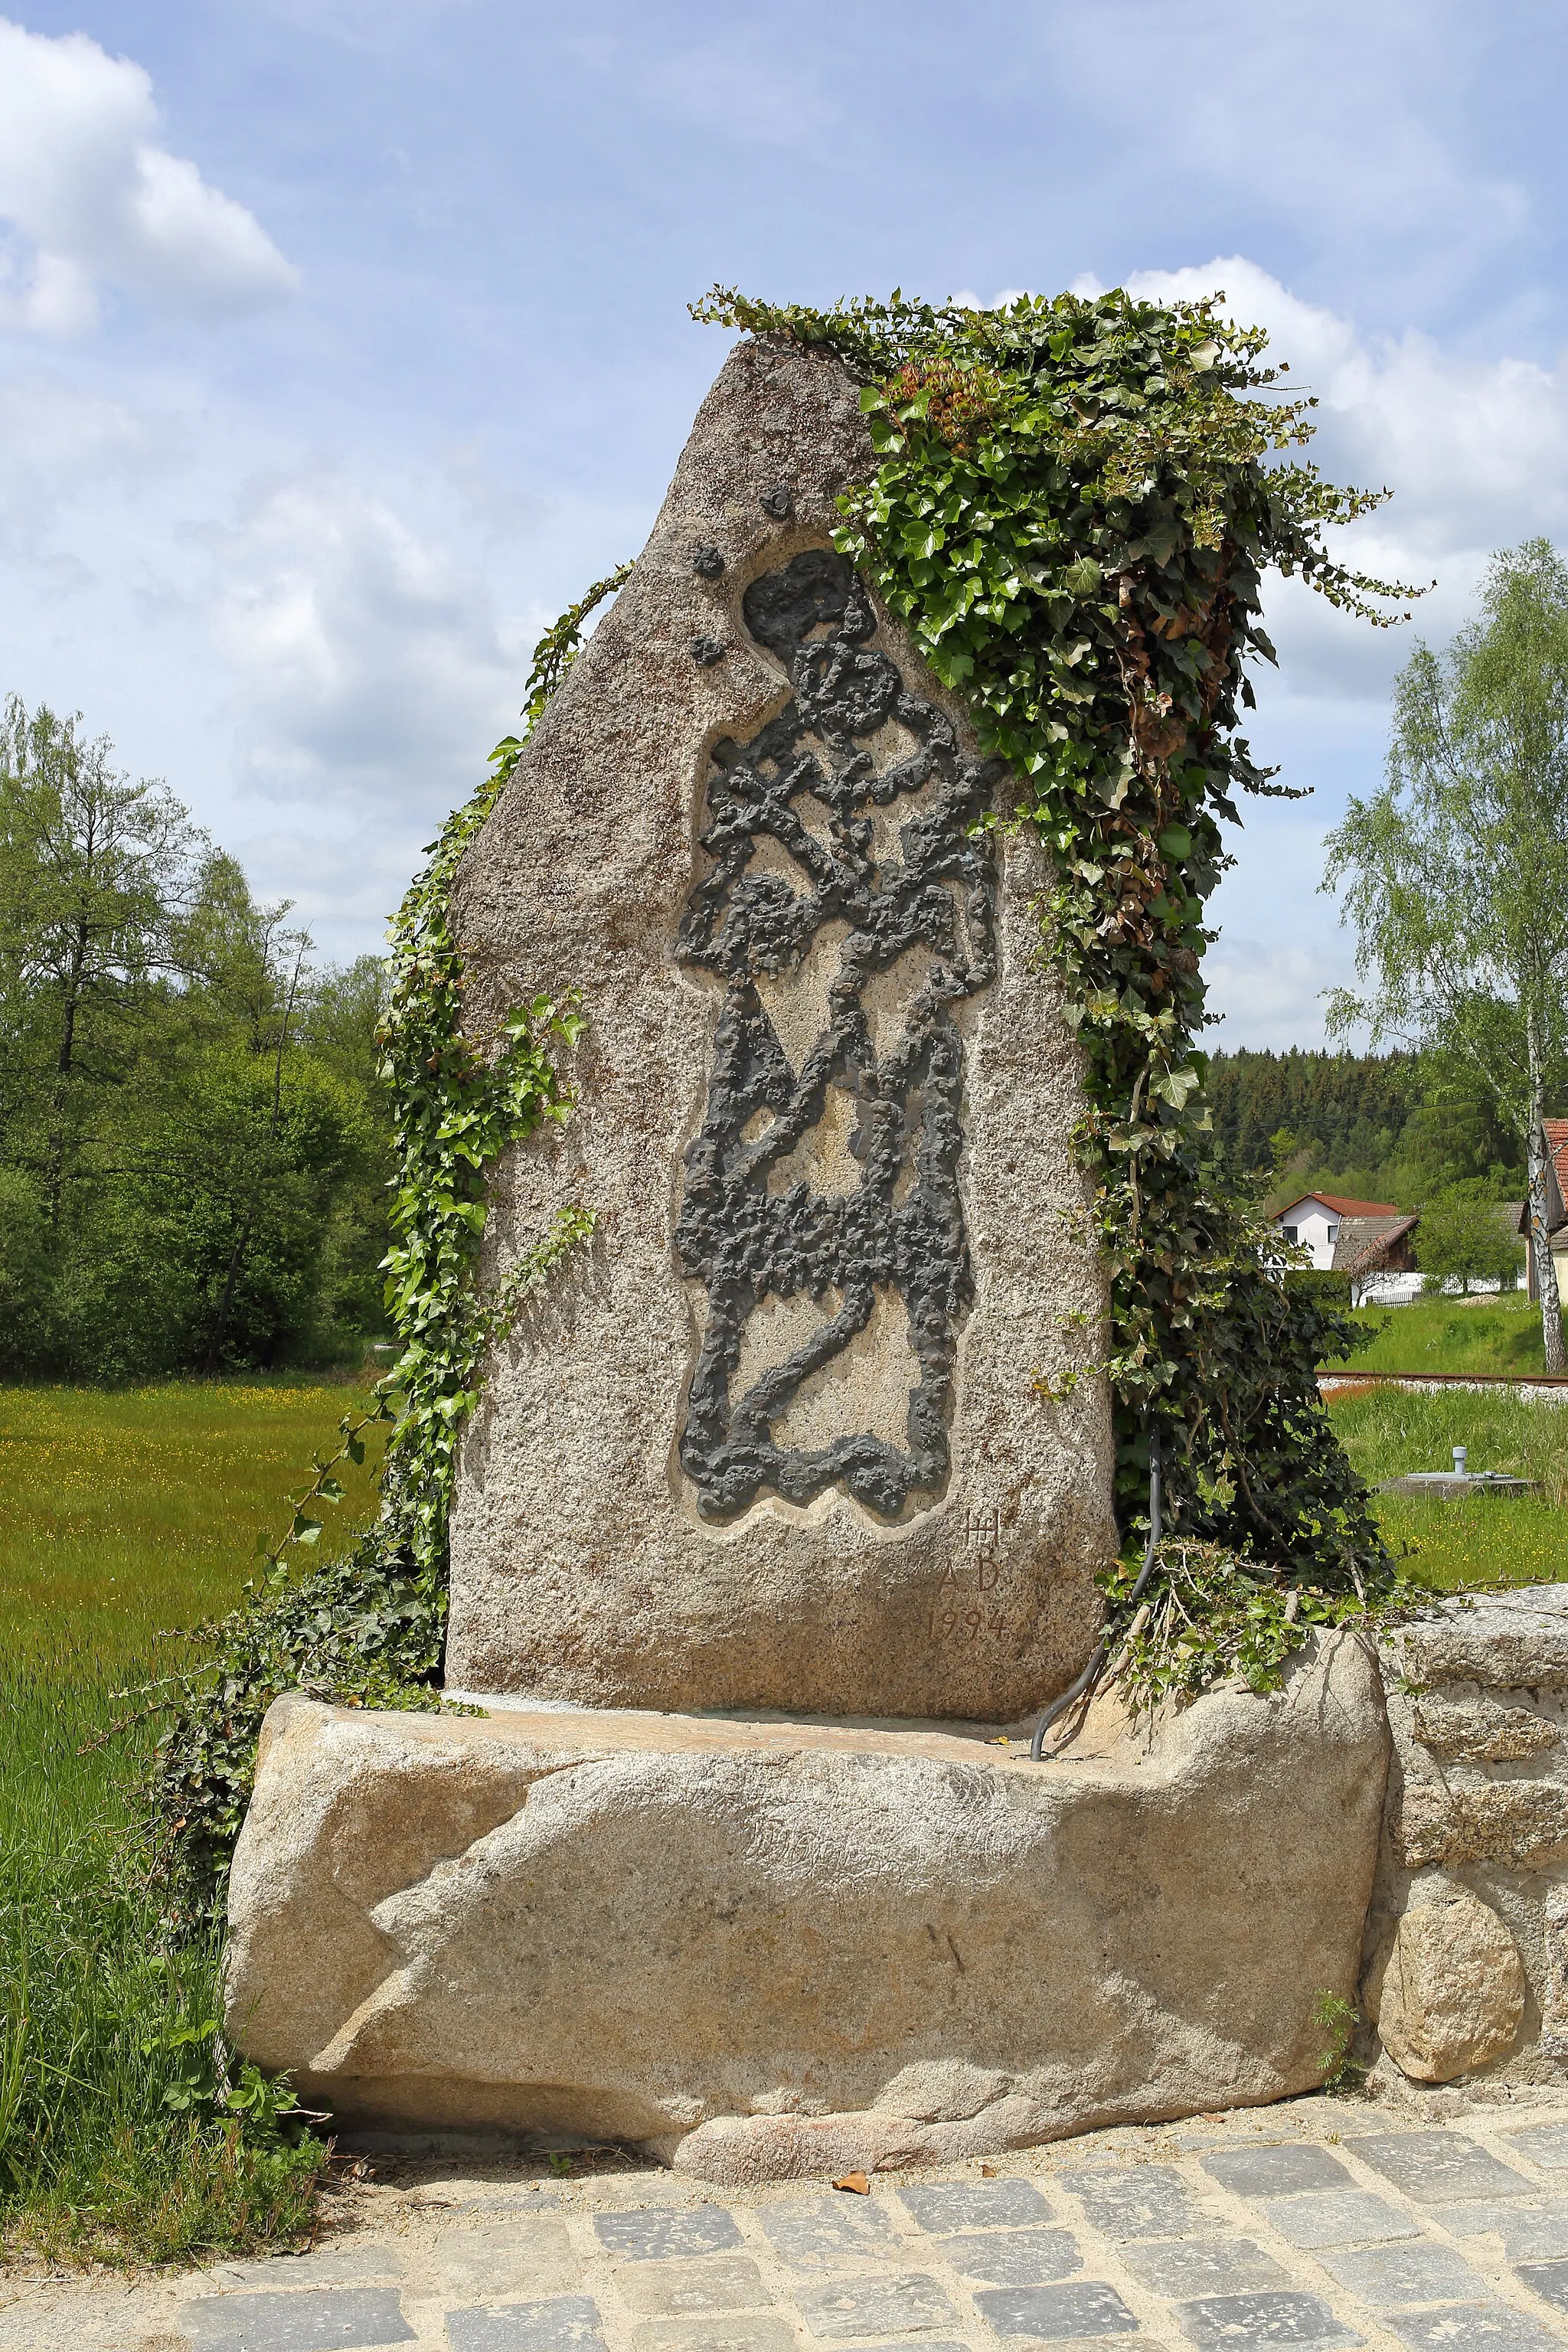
<point>369,1628</point>
<point>1073,506</point>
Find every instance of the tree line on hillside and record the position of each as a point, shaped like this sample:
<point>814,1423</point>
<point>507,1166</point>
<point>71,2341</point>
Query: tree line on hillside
<point>1375,1127</point>
<point>194,1143</point>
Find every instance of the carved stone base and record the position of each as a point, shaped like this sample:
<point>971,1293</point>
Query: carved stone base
<point>764,1948</point>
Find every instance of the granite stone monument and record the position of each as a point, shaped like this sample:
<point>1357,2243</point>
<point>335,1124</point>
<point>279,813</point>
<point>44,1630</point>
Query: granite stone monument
<point>780,1439</point>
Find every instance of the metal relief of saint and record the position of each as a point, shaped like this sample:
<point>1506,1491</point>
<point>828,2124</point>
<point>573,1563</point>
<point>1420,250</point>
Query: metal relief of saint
<point>842,861</point>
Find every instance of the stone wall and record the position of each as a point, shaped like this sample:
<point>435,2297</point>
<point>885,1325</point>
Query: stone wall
<point>1466,1946</point>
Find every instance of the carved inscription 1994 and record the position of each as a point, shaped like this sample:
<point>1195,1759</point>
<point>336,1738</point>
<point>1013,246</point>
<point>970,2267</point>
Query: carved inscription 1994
<point>844,829</point>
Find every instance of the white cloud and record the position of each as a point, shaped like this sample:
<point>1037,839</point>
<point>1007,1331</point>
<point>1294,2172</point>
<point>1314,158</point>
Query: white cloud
<point>60,441</point>
<point>998,302</point>
<point>1269,995</point>
<point>369,661</point>
<point>1470,445</point>
<point>88,196</point>
<point>1474,451</point>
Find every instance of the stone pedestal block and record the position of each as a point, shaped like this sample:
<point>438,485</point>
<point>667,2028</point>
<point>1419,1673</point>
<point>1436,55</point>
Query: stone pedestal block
<point>769,1948</point>
<point>781,1437</point>
<point>1466,1944</point>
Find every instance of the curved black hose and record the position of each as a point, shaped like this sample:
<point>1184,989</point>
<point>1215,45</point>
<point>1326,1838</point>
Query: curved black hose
<point>1096,1666</point>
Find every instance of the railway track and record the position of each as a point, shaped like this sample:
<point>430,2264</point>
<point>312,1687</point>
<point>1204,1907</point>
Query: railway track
<point>1330,1381</point>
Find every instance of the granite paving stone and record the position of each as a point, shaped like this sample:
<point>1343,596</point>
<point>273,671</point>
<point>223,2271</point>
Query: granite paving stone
<point>315,2319</point>
<point>819,2232</point>
<point>760,2331</point>
<point>325,2265</point>
<point>1057,2314</point>
<point>1545,2144</point>
<point>1146,2200</point>
<point>1389,2276</point>
<point>1528,2232</point>
<point>1276,2171</point>
<point>509,2258</point>
<point>1338,2217</point>
<point>652,2236</point>
<point>1180,2267</point>
<point>1247,2319</point>
<point>1014,2257</point>
<point>975,2205</point>
<point>1436,2167</point>
<point>1473,2327</point>
<point>875,2306</point>
<point>723,2283</point>
<point>1548,2279</point>
<point>569,2322</point>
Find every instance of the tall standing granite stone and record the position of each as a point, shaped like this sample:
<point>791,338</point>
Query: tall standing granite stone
<point>777,1439</point>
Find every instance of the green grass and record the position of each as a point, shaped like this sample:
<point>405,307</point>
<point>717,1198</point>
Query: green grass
<point>1499,1333</point>
<point>126,1512</point>
<point>122,1515</point>
<point>1388,1432</point>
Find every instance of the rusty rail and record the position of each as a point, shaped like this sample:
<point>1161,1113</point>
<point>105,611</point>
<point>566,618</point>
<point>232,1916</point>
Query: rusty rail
<point>1446,1380</point>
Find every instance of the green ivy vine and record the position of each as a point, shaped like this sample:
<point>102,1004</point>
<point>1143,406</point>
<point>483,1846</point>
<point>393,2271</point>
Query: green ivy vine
<point>369,1628</point>
<point>1073,504</point>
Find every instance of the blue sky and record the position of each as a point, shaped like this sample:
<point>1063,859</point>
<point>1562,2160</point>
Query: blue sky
<point>343,341</point>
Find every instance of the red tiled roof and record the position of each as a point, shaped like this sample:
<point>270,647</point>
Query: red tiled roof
<point>1556,1133</point>
<point>1386,1208</point>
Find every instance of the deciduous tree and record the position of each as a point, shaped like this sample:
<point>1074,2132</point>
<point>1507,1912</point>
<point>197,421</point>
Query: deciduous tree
<point>1455,874</point>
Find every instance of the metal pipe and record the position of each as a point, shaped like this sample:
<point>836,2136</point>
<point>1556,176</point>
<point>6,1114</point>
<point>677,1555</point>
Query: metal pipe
<point>1091,1673</point>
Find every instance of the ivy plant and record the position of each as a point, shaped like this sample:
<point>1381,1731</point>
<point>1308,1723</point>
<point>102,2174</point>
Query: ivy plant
<point>369,1628</point>
<point>1071,508</point>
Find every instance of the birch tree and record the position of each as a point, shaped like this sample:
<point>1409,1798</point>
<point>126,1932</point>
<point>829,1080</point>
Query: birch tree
<point>1454,875</point>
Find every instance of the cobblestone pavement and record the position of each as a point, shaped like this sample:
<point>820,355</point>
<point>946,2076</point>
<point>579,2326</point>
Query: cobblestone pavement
<point>1318,2224</point>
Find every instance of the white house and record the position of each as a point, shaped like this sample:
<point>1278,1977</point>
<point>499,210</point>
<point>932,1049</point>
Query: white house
<point>1368,1240</point>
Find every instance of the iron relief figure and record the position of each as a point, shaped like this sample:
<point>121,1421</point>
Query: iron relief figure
<point>746,1231</point>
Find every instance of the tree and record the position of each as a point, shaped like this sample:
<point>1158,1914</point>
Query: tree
<point>1454,875</point>
<point>193,1139</point>
<point>93,871</point>
<point>1464,1237</point>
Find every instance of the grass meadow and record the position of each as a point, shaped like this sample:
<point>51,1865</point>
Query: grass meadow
<point>1388,1432</point>
<point>1495,1332</point>
<point>124,1517</point>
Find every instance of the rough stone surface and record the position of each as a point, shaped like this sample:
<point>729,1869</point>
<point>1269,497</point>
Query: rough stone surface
<point>1449,1995</point>
<point>773,1949</point>
<point>1515,1641</point>
<point>776,1438</point>
<point>1470,1916</point>
<point>1478,1731</point>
